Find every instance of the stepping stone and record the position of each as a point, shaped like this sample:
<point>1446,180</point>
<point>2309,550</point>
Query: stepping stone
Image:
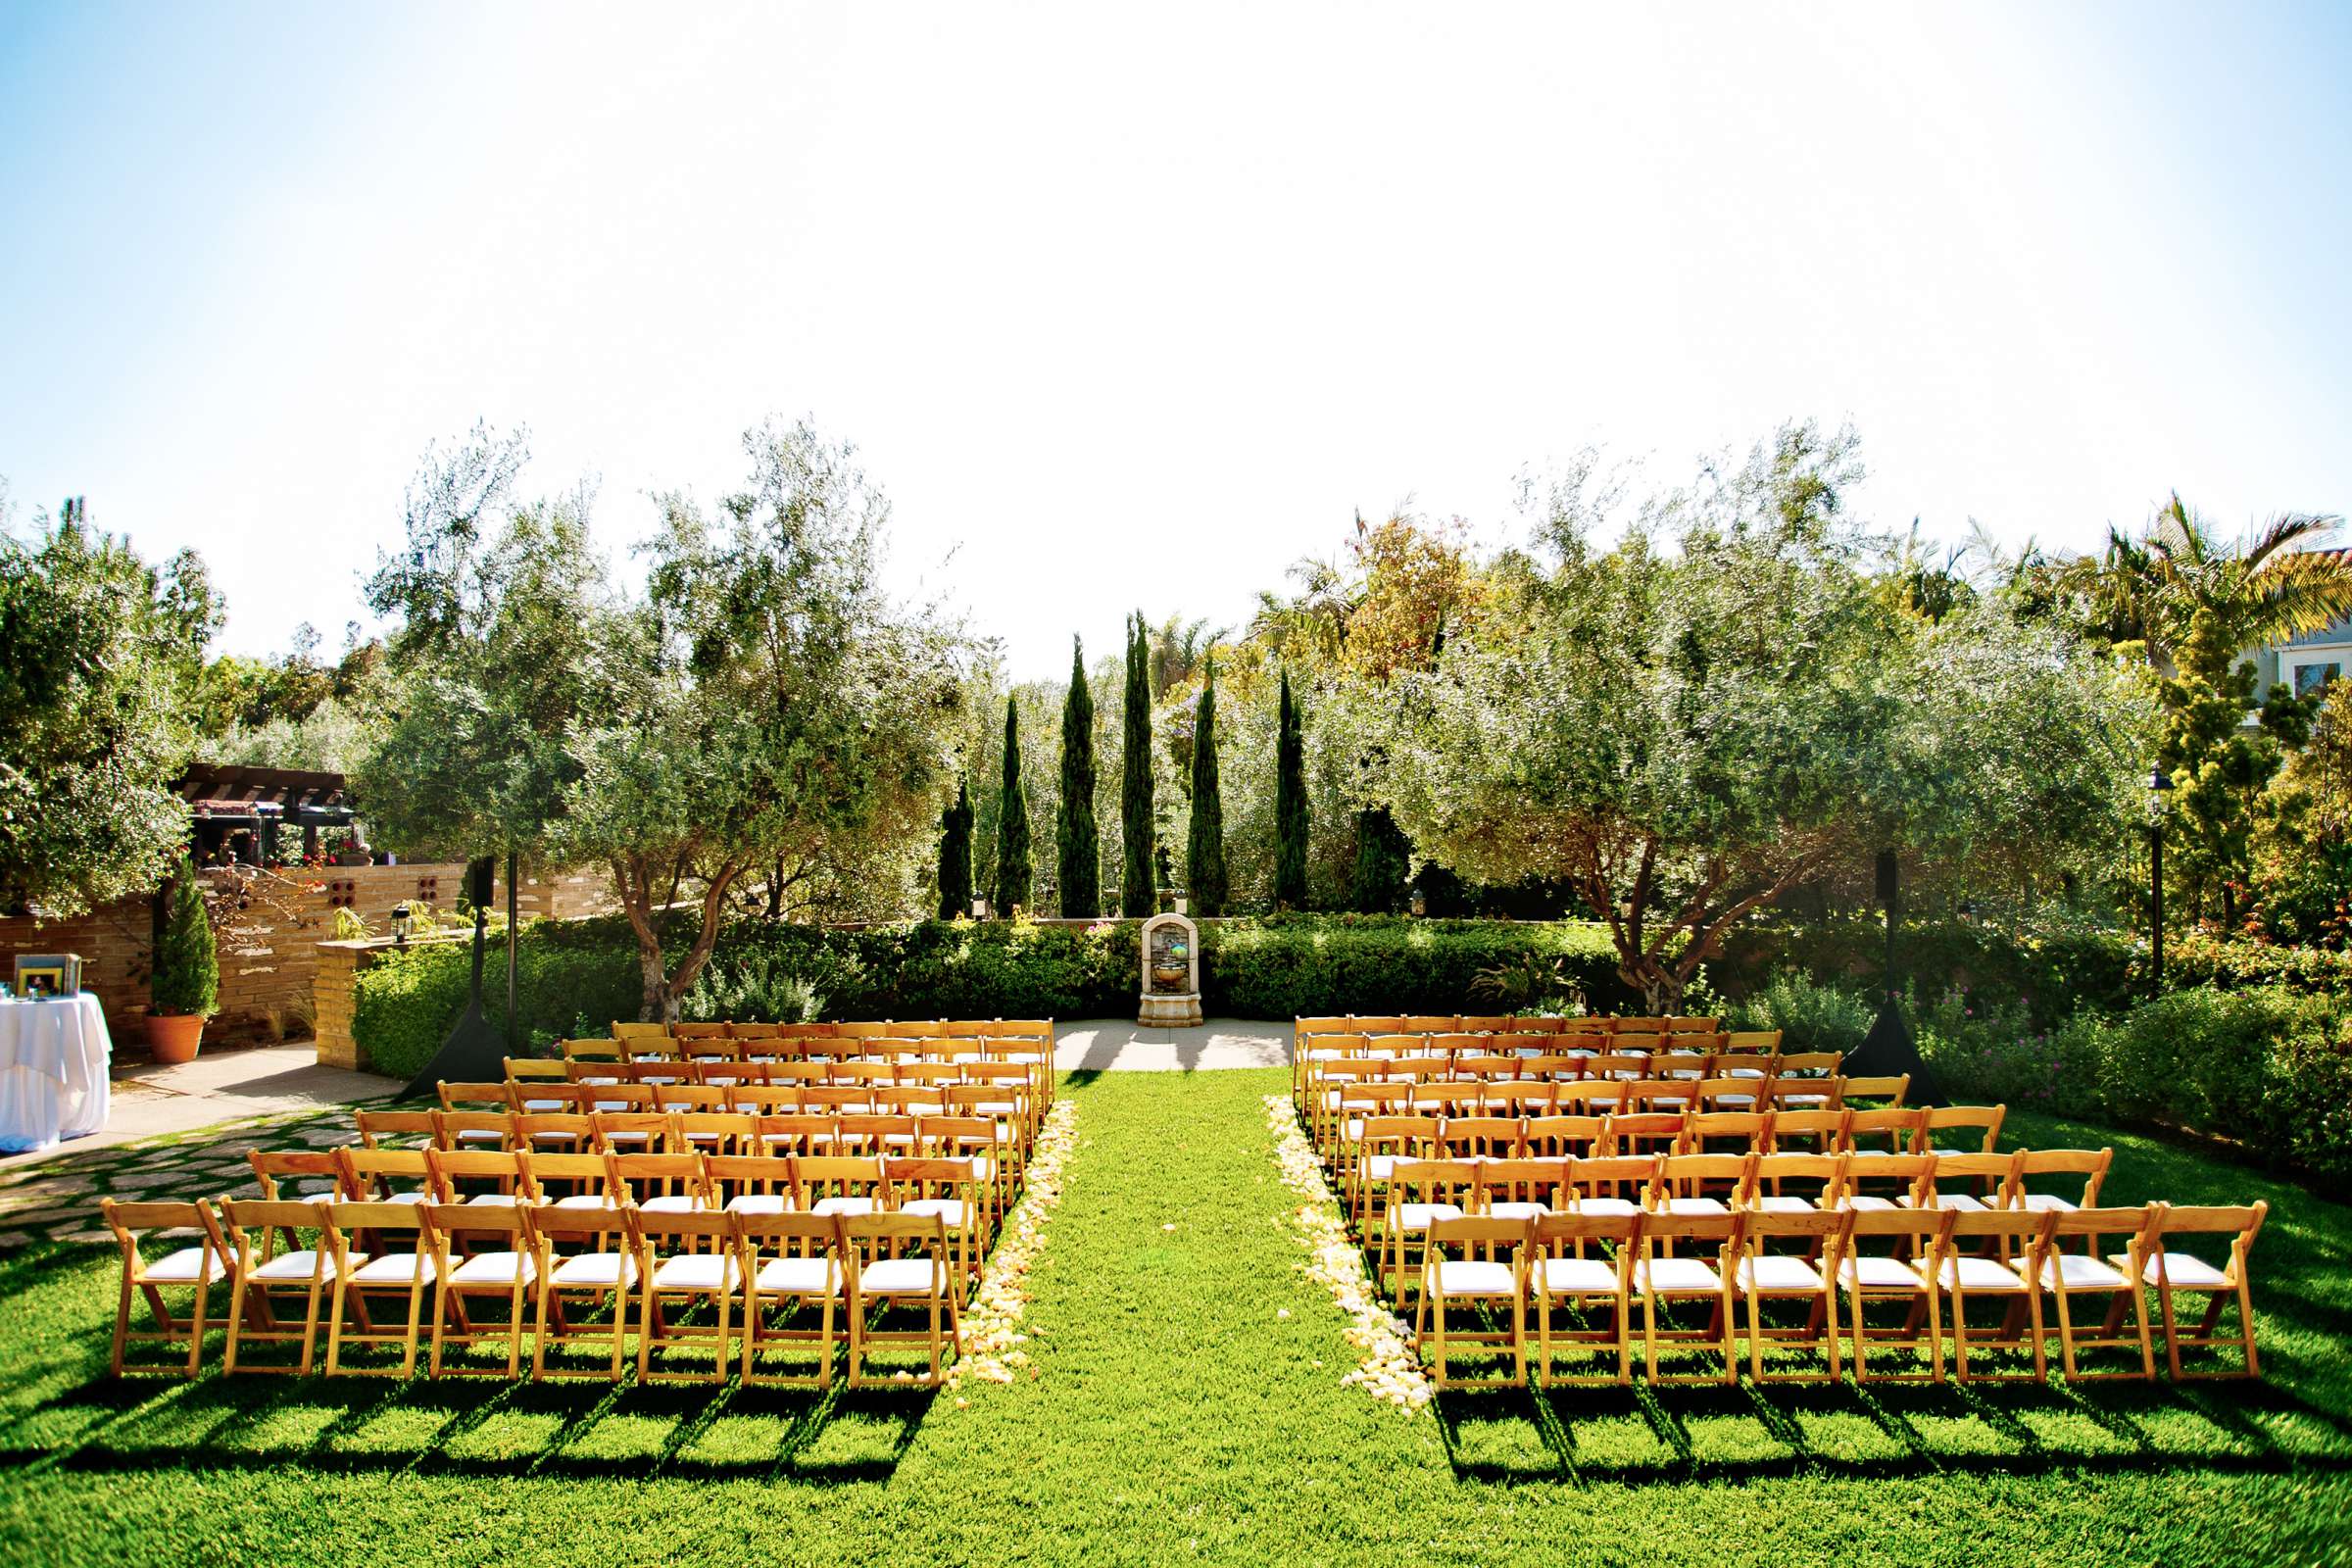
<point>11,1241</point>
<point>81,1236</point>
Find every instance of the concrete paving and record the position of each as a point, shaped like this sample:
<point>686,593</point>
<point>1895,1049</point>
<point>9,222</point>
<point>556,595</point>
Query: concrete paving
<point>151,1100</point>
<point>1121,1045</point>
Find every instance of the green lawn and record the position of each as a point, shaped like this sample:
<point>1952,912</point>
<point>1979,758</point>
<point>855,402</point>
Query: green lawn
<point>1178,1418</point>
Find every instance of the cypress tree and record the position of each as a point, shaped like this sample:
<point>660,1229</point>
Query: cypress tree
<point>955,855</point>
<point>1204,851</point>
<point>1012,821</point>
<point>1290,804</point>
<point>1381,853</point>
<point>1081,843</point>
<point>1137,888</point>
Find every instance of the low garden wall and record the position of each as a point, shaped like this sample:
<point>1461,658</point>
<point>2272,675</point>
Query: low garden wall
<point>268,943</point>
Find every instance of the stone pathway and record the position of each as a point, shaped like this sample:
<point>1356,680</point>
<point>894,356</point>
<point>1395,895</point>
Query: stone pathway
<point>1117,1045</point>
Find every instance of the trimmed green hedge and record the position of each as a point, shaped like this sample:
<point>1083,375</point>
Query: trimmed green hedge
<point>2267,1067</point>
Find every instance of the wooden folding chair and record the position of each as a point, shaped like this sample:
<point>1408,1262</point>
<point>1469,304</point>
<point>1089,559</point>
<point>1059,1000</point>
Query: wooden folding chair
<point>839,1184</point>
<point>900,1260</point>
<point>2169,1270</point>
<point>1973,1265</point>
<point>568,1180</point>
<point>193,1268</point>
<point>319,1172</point>
<point>453,1169</point>
<point>1891,1089</point>
<point>1806,1275</point>
<point>462,1103</point>
<point>1661,1277</point>
<point>1814,1179</point>
<point>492,1130</point>
<point>393,1129</point>
<point>1995,1176</point>
<point>386,1175</point>
<point>640,1034</point>
<point>1891,1257</point>
<point>1564,1137</point>
<point>1520,1189</point>
<point>1476,1283</point>
<point>2064,1275</point>
<point>1562,1273</point>
<point>1937,1121</point>
<point>661,1184</point>
<point>263,1277</point>
<point>752,1184</point>
<point>942,1188</point>
<point>581,1261</point>
<point>1610,1184</point>
<point>1421,1192</point>
<point>1683,1183</point>
<point>972,1140</point>
<point>1886,1130</point>
<point>481,1251</point>
<point>2090,1164</point>
<point>360,1239</point>
<point>791,1261</point>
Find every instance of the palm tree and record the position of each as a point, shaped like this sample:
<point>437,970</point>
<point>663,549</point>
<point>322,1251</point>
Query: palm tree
<point>2184,581</point>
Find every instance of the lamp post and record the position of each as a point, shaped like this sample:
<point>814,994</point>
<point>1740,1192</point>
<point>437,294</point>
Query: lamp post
<point>400,925</point>
<point>2159,785</point>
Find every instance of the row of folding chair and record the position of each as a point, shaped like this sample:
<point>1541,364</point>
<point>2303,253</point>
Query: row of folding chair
<point>736,1288</point>
<point>1382,1142</point>
<point>1034,1076</point>
<point>1327,1082</point>
<point>1010,1099</point>
<point>758,1050</point>
<point>1315,1051</point>
<point>1331,1127</point>
<point>996,1161</point>
<point>1808,1283</point>
<point>1844,1129</point>
<point>1401,1203</point>
<point>876,1028</point>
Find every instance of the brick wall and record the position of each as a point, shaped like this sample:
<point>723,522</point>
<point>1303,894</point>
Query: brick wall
<point>268,943</point>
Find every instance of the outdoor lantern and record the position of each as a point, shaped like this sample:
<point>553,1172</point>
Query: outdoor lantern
<point>400,925</point>
<point>1420,902</point>
<point>2159,781</point>
<point>980,908</point>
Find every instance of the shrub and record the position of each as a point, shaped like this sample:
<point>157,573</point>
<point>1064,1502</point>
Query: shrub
<point>1810,1015</point>
<point>185,981</point>
<point>1285,966</point>
<point>2055,971</point>
<point>2268,1067</point>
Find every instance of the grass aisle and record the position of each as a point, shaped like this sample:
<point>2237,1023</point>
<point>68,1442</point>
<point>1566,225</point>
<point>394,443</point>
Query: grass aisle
<point>1177,1415</point>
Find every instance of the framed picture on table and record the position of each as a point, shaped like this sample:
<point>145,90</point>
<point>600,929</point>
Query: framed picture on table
<point>48,974</point>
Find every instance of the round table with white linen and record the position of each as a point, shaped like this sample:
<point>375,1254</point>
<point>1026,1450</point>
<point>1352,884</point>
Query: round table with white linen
<point>54,1060</point>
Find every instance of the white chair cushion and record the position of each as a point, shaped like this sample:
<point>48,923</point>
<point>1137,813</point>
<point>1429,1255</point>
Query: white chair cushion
<point>495,1268</point>
<point>586,1200</point>
<point>2185,1269</point>
<point>1677,1276</point>
<point>546,1108</point>
<point>480,1135</point>
<point>902,1276</point>
<point>757,1204</point>
<point>799,1276</point>
<point>674,1203</point>
<point>2047,1202</point>
<point>1956,1201</point>
<point>2073,1272</point>
<point>842,1206</point>
<point>1869,1205</point>
<point>1514,1209</point>
<point>1979,1275</point>
<point>1472,1277</point>
<point>1774,1273</point>
<point>1378,1167</point>
<point>182,1267</point>
<point>1572,1276</point>
<point>954,1210</point>
<point>1785,1203</point>
<point>1605,1205</point>
<point>1695,1206</point>
<point>394,1268</point>
<point>1880,1274</point>
<point>595,1269</point>
<point>698,1271</point>
<point>493,1200</point>
<point>292,1267</point>
<point>1419,1216</point>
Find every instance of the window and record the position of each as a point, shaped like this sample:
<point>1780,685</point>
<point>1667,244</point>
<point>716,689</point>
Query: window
<point>2310,678</point>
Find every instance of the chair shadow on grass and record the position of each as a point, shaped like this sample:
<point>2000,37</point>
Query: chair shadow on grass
<point>1644,1435</point>
<point>584,1427</point>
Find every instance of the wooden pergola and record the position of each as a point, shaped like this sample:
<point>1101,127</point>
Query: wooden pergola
<point>240,811</point>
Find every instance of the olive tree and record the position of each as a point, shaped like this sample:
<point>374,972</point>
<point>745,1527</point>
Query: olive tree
<point>99,659</point>
<point>1689,722</point>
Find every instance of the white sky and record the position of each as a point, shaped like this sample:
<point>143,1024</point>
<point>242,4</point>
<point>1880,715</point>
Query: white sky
<point>1131,308</point>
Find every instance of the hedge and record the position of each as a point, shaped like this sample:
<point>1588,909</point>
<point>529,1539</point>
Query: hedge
<point>2268,1067</point>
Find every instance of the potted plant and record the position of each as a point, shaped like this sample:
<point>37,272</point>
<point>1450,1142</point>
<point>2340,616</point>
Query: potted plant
<point>185,988</point>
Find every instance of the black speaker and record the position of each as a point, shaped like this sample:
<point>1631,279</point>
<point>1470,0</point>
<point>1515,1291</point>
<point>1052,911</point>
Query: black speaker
<point>481,881</point>
<point>1889,883</point>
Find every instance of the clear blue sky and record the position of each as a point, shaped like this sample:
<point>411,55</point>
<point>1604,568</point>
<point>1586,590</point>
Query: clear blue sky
<point>1133,308</point>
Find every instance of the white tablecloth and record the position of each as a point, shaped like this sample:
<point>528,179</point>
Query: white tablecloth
<point>54,1060</point>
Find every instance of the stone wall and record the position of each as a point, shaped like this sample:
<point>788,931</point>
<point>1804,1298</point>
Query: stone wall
<point>268,930</point>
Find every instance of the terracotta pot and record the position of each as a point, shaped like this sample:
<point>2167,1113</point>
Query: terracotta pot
<point>174,1039</point>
